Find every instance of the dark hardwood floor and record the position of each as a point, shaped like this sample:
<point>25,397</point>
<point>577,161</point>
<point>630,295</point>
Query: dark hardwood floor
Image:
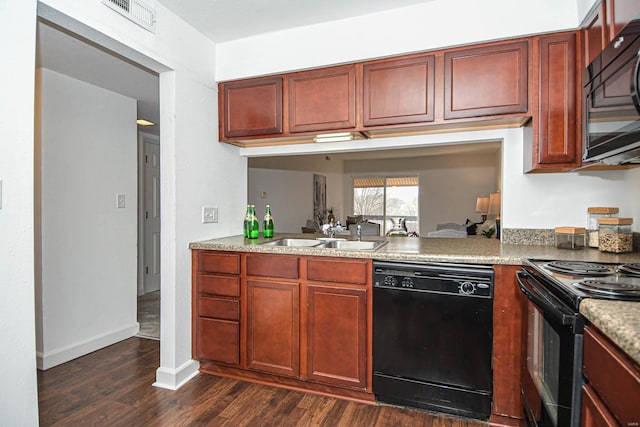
<point>113,387</point>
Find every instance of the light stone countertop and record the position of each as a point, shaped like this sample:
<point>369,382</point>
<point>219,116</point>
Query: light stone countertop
<point>619,320</point>
<point>474,250</point>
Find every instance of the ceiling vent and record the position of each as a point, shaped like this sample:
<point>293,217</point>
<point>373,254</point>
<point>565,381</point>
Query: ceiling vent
<point>137,11</point>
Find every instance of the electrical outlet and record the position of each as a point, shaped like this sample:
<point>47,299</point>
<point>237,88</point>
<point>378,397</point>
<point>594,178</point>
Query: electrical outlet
<point>120,199</point>
<point>209,214</point>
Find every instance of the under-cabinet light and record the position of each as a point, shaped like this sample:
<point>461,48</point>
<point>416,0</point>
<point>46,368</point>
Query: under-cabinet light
<point>334,137</point>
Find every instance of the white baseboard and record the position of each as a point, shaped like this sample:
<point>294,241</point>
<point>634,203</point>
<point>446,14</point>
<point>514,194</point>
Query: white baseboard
<point>173,379</point>
<point>64,354</point>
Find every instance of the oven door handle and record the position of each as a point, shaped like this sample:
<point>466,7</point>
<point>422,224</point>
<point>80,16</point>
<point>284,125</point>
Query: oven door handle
<point>548,302</point>
<point>635,78</point>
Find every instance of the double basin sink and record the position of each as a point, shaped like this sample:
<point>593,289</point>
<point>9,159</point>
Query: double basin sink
<point>353,245</point>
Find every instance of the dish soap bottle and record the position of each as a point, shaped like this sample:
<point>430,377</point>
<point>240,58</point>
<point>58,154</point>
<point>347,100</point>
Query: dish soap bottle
<point>267,226</point>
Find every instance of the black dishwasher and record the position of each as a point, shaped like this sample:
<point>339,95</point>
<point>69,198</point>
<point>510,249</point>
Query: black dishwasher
<point>432,336</point>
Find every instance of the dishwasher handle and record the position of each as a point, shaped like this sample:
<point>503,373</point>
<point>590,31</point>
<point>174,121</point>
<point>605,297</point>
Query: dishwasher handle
<point>546,301</point>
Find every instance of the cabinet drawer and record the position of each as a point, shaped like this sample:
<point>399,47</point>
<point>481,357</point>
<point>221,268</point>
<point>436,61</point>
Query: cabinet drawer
<point>219,263</point>
<point>218,340</point>
<point>227,309</point>
<point>219,285</point>
<point>273,266</point>
<point>337,270</point>
<point>614,377</point>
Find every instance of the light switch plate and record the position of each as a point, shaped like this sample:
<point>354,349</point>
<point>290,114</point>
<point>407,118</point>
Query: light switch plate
<point>120,201</point>
<point>209,214</point>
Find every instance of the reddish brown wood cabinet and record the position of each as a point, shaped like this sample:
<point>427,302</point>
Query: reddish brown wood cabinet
<point>595,33</point>
<point>250,107</point>
<point>299,322</point>
<point>399,91</point>
<point>559,106</point>
<point>273,325</point>
<point>619,14</point>
<point>216,307</point>
<point>613,385</point>
<point>337,335</point>
<point>486,81</point>
<point>323,99</point>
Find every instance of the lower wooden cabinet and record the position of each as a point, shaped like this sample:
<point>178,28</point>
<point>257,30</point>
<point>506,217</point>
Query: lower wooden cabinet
<point>273,324</point>
<point>337,335</point>
<point>612,392</point>
<point>299,322</point>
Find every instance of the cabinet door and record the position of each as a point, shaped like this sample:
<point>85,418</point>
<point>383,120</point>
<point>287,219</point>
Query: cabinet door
<point>336,334</point>
<point>486,81</point>
<point>594,411</point>
<point>398,91</point>
<point>251,107</point>
<point>558,113</point>
<point>273,323</point>
<point>321,100</point>
<point>218,340</point>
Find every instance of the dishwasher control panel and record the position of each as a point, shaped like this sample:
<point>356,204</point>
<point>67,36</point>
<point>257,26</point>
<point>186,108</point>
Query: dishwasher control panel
<point>457,279</point>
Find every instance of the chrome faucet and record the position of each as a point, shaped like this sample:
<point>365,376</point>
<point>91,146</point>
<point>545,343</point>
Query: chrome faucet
<point>359,232</point>
<point>330,229</point>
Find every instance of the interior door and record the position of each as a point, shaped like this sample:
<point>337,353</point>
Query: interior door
<point>151,216</point>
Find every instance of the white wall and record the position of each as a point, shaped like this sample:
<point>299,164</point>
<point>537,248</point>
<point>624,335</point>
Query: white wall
<point>288,183</point>
<point>449,184</point>
<point>429,25</point>
<point>196,169</point>
<point>87,283</point>
<point>18,391</point>
<point>559,199</point>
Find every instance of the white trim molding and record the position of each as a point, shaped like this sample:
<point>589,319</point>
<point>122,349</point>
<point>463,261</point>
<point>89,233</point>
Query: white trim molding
<point>173,379</point>
<point>64,354</point>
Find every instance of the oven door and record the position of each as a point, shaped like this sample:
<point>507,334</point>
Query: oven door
<point>552,371</point>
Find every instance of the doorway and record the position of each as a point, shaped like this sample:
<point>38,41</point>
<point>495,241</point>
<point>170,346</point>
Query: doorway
<point>148,302</point>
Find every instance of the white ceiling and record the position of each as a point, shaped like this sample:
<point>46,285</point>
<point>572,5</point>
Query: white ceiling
<point>224,20</point>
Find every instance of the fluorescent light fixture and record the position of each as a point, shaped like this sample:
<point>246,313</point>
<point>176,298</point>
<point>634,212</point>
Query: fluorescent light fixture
<point>143,122</point>
<point>334,137</point>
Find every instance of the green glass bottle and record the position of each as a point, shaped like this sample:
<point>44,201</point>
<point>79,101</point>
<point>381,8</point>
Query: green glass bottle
<point>254,225</point>
<point>247,221</point>
<point>267,226</point>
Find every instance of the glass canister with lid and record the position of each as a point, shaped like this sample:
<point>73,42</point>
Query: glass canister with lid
<point>615,235</point>
<point>569,237</point>
<point>593,215</point>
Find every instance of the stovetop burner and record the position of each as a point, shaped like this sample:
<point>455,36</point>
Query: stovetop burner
<point>608,287</point>
<point>579,268</point>
<point>630,269</point>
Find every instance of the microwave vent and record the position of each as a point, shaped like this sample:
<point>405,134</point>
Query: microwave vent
<point>137,11</point>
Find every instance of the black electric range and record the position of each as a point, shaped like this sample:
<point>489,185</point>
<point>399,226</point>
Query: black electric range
<point>552,381</point>
<point>572,281</point>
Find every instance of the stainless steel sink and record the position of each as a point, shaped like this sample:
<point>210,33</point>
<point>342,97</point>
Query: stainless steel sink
<point>294,243</point>
<point>354,245</point>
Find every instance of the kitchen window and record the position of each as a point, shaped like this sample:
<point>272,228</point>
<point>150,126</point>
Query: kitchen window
<point>384,200</point>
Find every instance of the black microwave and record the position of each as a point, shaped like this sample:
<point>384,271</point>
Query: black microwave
<point>612,101</point>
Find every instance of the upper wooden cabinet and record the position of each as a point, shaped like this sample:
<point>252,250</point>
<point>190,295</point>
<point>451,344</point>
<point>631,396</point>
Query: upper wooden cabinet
<point>558,92</point>
<point>398,91</point>
<point>486,81</point>
<point>250,107</point>
<point>321,100</point>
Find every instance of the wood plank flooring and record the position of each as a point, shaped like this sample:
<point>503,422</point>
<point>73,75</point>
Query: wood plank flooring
<point>113,387</point>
